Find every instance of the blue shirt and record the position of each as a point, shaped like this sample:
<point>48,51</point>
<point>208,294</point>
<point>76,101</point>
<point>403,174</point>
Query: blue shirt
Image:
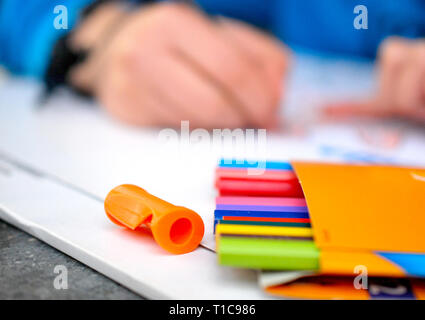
<point>27,34</point>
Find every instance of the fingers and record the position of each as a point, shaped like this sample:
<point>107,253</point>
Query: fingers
<point>271,55</point>
<point>411,96</point>
<point>401,77</point>
<point>407,93</point>
<point>226,66</point>
<point>129,103</point>
<point>391,62</point>
<point>169,63</point>
<point>186,94</point>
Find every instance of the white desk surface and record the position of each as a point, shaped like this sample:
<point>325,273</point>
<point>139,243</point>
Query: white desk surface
<point>81,154</point>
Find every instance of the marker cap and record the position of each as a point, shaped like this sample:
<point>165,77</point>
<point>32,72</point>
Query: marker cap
<point>176,229</point>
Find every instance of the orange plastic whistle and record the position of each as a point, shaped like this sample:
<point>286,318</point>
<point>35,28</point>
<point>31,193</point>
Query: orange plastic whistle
<point>176,229</point>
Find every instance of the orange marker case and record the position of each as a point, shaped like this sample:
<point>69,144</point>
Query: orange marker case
<point>358,210</point>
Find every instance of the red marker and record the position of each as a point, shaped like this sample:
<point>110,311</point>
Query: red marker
<point>259,188</point>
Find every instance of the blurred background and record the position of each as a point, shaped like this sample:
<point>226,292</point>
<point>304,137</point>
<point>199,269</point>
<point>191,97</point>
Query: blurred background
<point>86,88</point>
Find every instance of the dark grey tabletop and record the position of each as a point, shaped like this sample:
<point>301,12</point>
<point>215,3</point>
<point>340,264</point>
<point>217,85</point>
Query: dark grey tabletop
<point>27,272</point>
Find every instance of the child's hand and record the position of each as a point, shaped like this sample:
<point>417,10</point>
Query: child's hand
<point>169,62</point>
<point>401,88</point>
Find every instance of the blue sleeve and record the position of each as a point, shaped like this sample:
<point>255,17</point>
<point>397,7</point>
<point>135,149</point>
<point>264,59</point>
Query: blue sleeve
<point>326,26</point>
<point>27,32</point>
<point>256,12</point>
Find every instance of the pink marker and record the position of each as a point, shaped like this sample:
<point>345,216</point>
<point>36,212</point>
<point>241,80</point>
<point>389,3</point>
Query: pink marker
<point>261,201</point>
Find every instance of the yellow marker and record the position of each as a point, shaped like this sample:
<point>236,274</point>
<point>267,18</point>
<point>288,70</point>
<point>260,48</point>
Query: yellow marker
<point>263,230</point>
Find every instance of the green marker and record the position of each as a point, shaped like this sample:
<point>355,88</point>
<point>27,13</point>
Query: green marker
<point>272,254</point>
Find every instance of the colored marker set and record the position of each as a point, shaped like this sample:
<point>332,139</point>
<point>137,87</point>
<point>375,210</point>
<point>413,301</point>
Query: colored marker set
<point>261,220</point>
<point>321,218</point>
